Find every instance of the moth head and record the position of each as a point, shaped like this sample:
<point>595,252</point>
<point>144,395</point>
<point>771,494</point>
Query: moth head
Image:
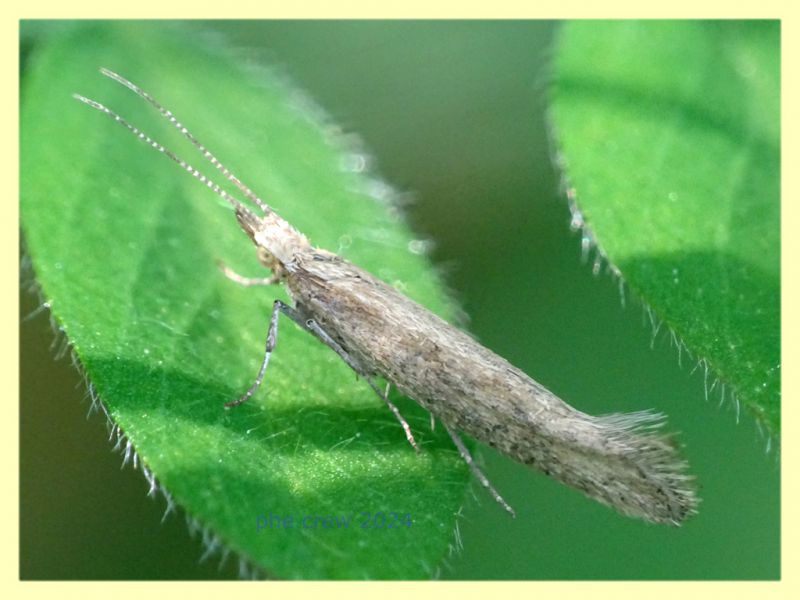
<point>276,241</point>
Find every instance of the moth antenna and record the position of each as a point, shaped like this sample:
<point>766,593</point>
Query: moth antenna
<point>154,144</point>
<point>167,114</point>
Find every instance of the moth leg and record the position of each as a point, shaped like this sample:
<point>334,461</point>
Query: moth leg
<point>245,281</point>
<point>272,337</point>
<point>314,327</point>
<point>476,469</point>
<point>396,412</point>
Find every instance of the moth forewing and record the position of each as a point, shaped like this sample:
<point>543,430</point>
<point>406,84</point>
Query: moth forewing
<point>613,459</point>
<point>620,460</point>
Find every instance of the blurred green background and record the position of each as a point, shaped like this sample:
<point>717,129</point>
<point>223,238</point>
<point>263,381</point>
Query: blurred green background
<point>454,114</point>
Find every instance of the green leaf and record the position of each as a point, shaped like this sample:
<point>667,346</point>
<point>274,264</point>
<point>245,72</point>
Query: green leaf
<point>671,137</point>
<point>124,247</point>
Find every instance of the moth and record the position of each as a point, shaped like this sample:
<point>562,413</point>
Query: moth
<point>621,460</point>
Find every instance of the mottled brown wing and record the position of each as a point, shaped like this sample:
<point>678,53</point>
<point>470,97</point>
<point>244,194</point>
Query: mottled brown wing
<point>616,459</point>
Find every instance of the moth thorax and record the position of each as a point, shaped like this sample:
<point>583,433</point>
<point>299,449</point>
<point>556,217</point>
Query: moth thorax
<point>278,242</point>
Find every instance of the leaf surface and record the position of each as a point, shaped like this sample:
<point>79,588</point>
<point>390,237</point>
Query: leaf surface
<point>124,247</point>
<point>670,133</point>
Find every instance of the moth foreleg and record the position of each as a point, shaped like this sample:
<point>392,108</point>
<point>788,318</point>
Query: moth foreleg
<point>246,281</point>
<point>476,469</point>
<point>315,328</point>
